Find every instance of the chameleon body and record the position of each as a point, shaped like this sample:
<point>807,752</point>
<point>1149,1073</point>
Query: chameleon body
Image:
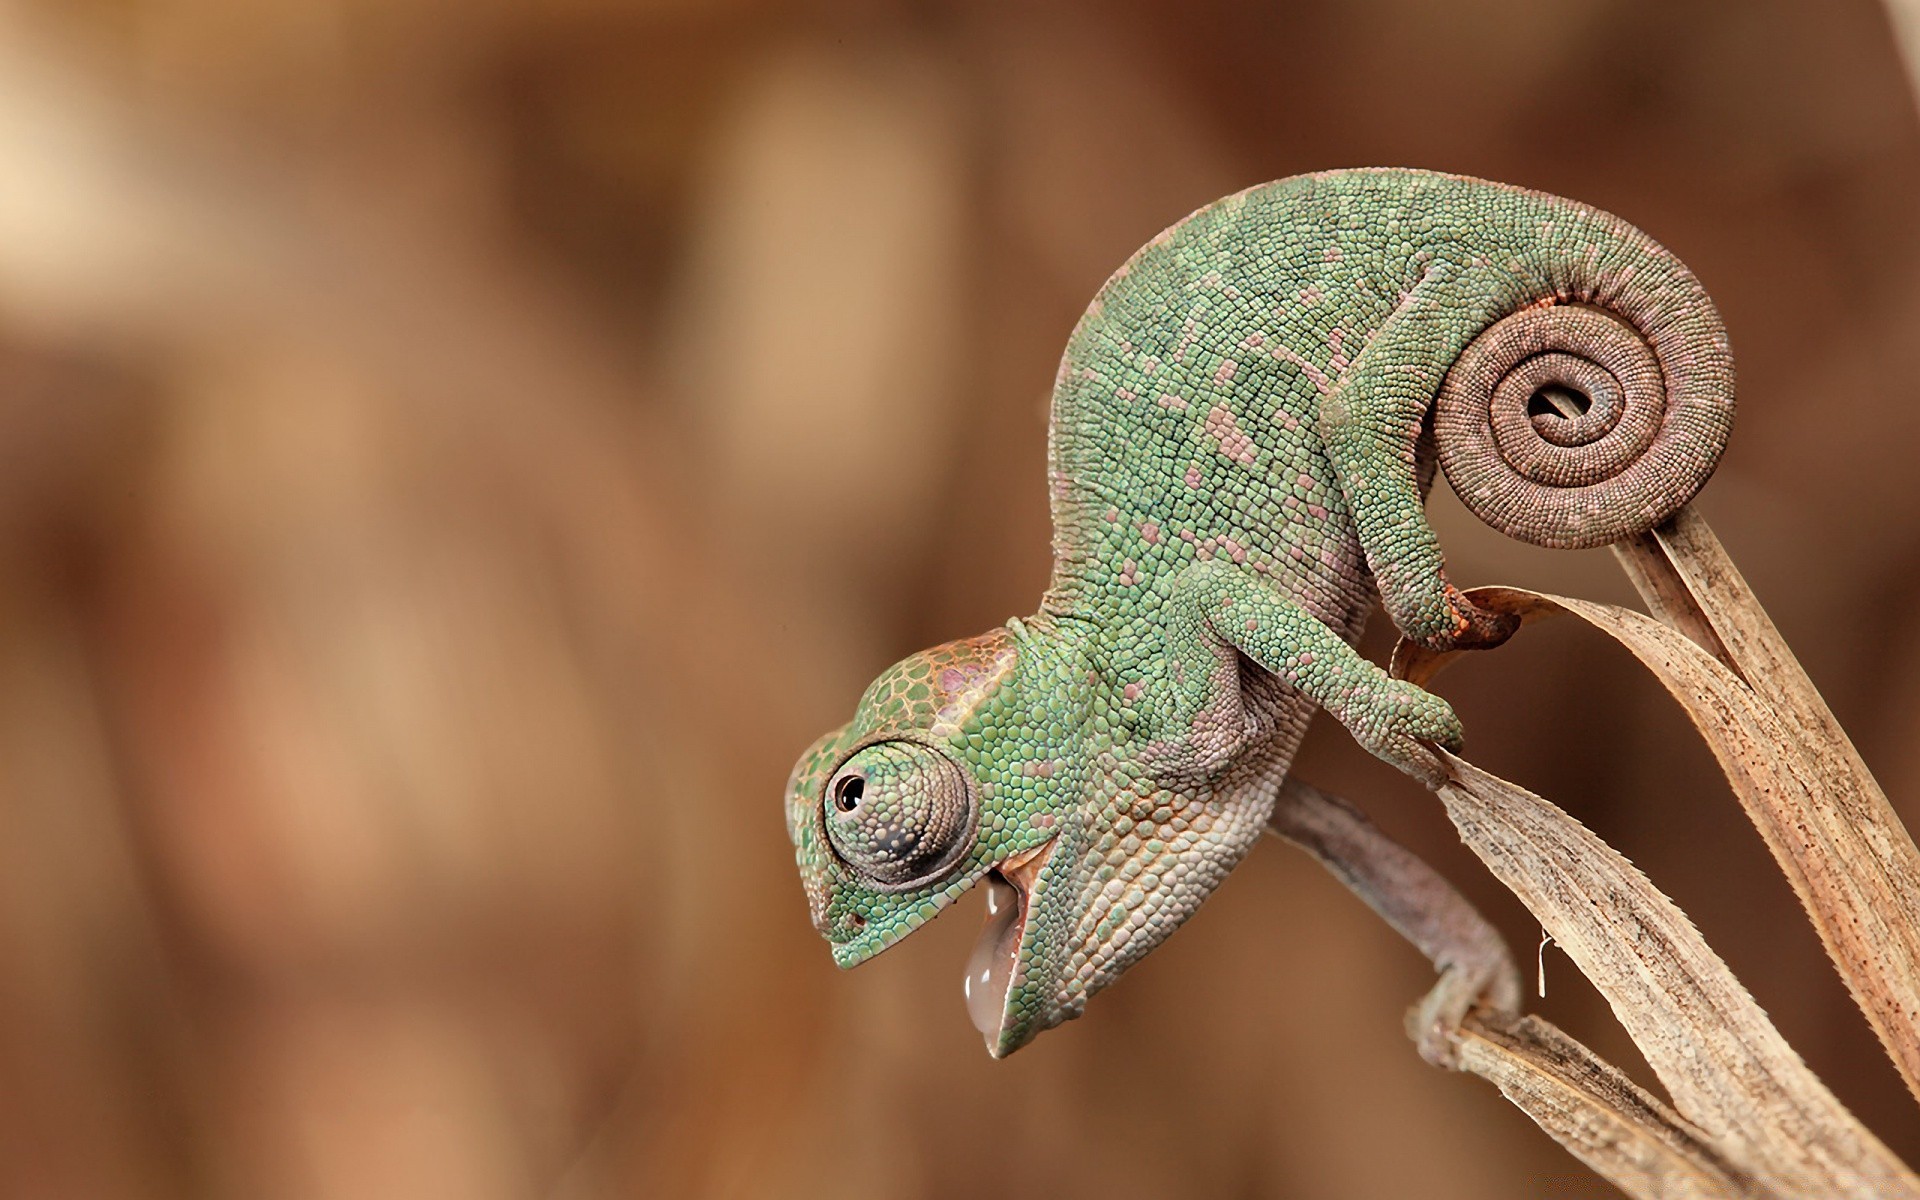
<point>1243,431</point>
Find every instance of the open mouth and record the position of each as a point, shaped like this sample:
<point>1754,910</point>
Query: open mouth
<point>995,956</point>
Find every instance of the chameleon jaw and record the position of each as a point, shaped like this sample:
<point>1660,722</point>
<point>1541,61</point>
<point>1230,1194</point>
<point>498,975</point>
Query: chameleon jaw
<point>996,957</point>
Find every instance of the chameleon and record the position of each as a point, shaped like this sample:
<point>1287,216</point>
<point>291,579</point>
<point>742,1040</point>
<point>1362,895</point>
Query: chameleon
<point>1244,427</point>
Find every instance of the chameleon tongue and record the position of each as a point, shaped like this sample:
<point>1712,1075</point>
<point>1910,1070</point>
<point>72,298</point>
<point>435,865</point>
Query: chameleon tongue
<point>990,969</point>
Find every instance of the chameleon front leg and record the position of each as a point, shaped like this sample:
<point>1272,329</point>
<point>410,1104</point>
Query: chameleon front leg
<point>1371,425</point>
<point>1475,968</point>
<point>1220,610</point>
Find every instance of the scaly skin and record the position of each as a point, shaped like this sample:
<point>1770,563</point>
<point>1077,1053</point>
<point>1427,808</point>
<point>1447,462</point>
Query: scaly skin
<point>1238,474</point>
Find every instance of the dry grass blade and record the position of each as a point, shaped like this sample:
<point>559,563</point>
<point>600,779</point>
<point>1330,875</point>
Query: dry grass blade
<point>1729,1071</point>
<point>1727,1068</point>
<point>1586,1105</point>
<point>1824,816</point>
<point>1600,1116</point>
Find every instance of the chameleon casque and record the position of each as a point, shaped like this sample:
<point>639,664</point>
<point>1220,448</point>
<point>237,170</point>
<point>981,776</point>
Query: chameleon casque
<point>1244,427</point>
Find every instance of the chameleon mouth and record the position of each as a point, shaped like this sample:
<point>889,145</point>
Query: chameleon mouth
<point>996,956</point>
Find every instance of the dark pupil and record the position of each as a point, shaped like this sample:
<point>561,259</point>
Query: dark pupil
<point>846,797</point>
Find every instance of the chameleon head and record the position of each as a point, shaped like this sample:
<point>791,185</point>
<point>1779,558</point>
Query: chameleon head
<point>948,774</point>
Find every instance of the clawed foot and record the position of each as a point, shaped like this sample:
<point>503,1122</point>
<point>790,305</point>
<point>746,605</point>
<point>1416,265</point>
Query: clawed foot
<point>1408,717</point>
<point>1472,627</point>
<point>1491,988</point>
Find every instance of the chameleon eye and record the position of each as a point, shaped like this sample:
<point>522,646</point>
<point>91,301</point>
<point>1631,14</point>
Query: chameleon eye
<point>847,791</point>
<point>899,813</point>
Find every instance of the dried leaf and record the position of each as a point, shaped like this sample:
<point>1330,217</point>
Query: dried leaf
<point>1601,1117</point>
<point>1729,1072</point>
<point>1822,813</point>
<point>1471,1020</point>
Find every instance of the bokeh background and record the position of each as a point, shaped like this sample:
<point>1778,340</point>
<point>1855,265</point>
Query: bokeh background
<point>454,455</point>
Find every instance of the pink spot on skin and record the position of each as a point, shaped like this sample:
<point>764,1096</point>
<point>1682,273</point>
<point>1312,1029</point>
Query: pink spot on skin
<point>1332,254</point>
<point>1311,295</point>
<point>1186,339</point>
<point>951,680</point>
<point>1186,535</point>
<point>1253,341</point>
<point>1316,512</point>
<point>1305,481</point>
<point>1321,383</point>
<point>1235,550</point>
<point>1226,372</point>
<point>1193,476</point>
<point>1129,573</point>
<point>1125,396</point>
<point>1234,443</point>
<point>1306,659</point>
<point>1043,820</point>
<point>1338,360</point>
<point>1150,533</point>
<point>1130,693</point>
<point>1112,515</point>
<point>1172,403</point>
<point>1252,624</point>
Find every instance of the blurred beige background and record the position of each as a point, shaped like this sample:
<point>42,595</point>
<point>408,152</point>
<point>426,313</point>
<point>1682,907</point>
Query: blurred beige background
<point>453,456</point>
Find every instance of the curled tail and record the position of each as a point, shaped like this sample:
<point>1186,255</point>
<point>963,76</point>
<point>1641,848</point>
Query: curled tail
<point>1579,379</point>
<point>1638,358</point>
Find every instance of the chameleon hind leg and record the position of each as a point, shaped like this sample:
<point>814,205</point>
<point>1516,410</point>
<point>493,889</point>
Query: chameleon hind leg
<point>1371,424</point>
<point>1220,611</point>
<point>1476,970</point>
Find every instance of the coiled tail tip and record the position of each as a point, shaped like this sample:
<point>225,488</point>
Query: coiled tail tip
<point>1572,425</point>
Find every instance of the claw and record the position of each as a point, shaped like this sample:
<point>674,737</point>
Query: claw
<point>1475,628</point>
<point>1489,987</point>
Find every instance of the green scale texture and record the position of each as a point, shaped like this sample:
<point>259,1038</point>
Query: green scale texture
<point>1242,439</point>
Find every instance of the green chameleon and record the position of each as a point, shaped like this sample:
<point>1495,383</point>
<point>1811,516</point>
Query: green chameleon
<point>1245,424</point>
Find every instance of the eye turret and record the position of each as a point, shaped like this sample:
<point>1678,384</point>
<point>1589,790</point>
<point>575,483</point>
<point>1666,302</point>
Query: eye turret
<point>899,813</point>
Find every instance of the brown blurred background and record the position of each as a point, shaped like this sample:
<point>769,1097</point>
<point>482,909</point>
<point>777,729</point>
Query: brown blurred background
<point>453,456</point>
